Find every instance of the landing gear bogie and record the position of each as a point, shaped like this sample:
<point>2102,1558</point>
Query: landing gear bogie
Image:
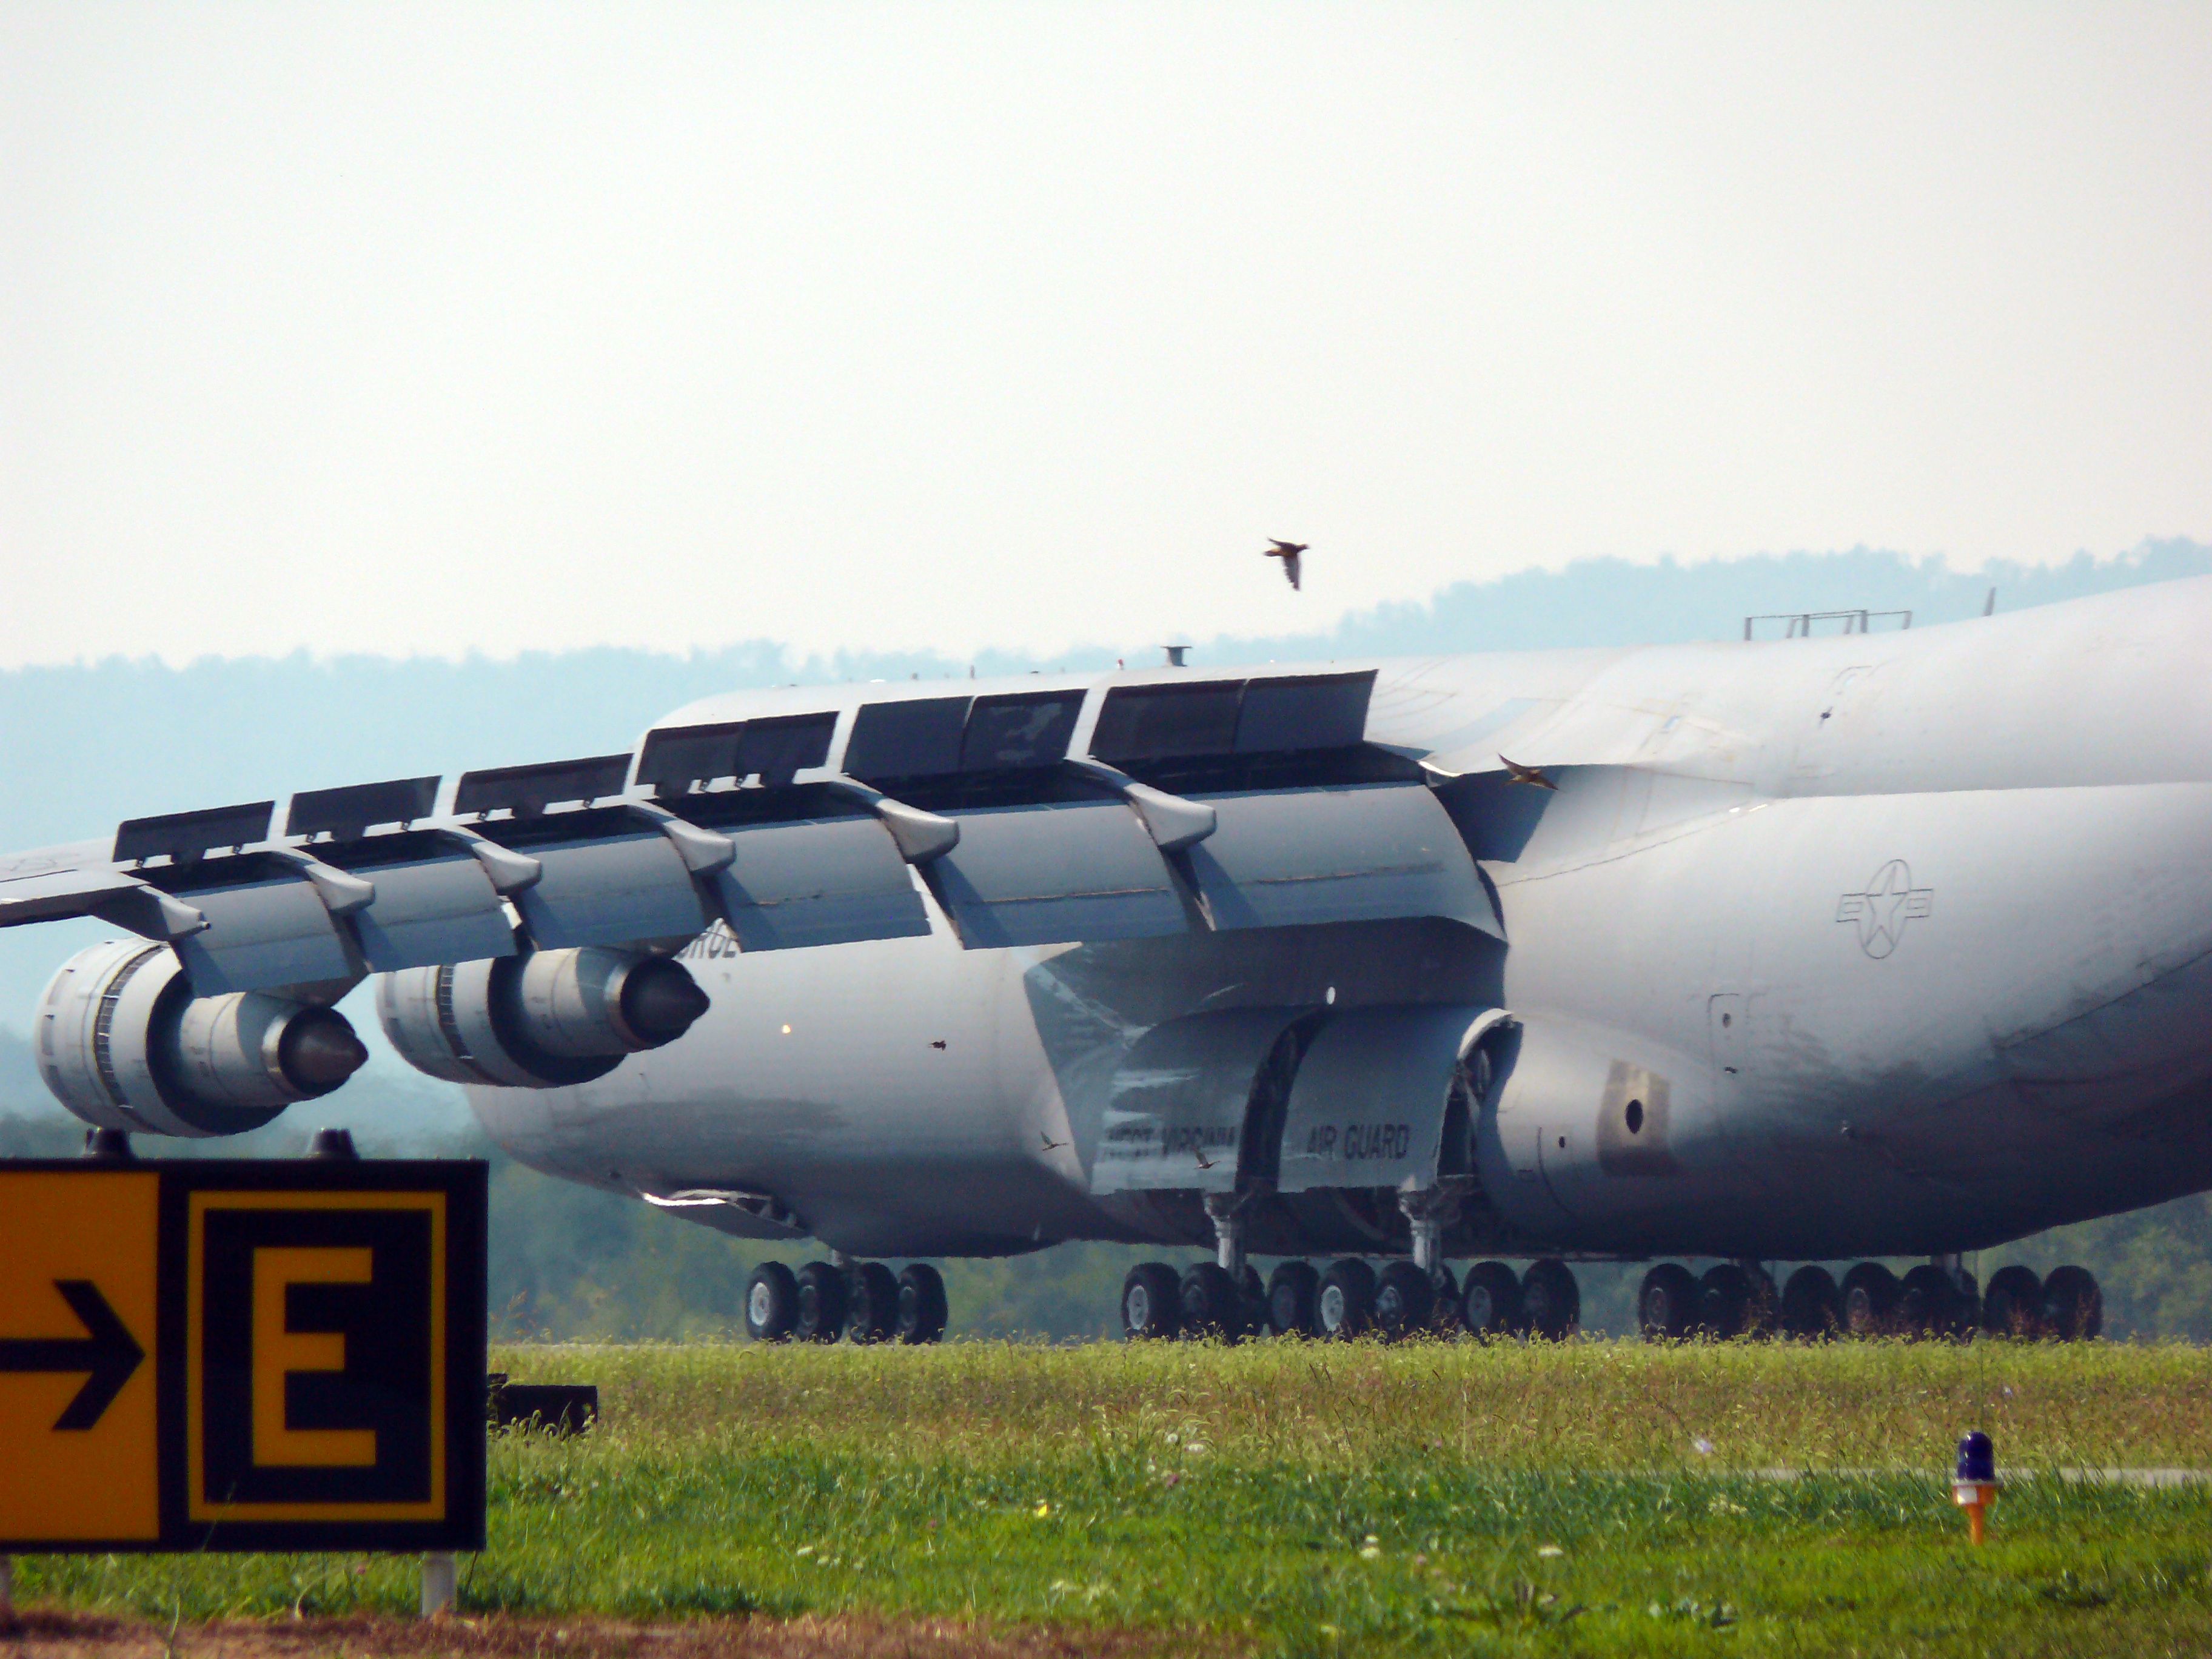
<point>865,1302</point>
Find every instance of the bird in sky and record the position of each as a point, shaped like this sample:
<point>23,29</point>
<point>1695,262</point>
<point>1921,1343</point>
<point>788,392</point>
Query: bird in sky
<point>1050,1144</point>
<point>1532,775</point>
<point>1204,1162</point>
<point>1288,553</point>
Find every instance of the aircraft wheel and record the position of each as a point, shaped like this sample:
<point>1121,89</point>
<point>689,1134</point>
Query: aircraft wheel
<point>1444,1309</point>
<point>1251,1304</point>
<point>921,1303</point>
<point>1405,1297</point>
<point>1812,1306</point>
<point>1870,1295</point>
<point>1667,1306</point>
<point>822,1302</point>
<point>1208,1299</point>
<point>1551,1301</point>
<point>873,1312</point>
<point>772,1303</point>
<point>1490,1301</point>
<point>2073,1305</point>
<point>1726,1299</point>
<point>1152,1302</point>
<point>1291,1291</point>
<point>2013,1304</point>
<point>1928,1304</point>
<point>1345,1305</point>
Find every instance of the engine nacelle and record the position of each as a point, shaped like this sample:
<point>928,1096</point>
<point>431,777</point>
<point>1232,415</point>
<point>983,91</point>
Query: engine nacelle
<point>123,1044</point>
<point>541,1020</point>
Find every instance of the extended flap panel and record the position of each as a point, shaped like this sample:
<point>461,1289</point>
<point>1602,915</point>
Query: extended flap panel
<point>266,926</point>
<point>817,881</point>
<point>1354,853</point>
<point>614,889</point>
<point>433,902</point>
<point>1043,875</point>
<point>1175,1116</point>
<point>1367,1108</point>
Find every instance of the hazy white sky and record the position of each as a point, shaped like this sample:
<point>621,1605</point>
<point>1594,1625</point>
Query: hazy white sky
<point>480,327</point>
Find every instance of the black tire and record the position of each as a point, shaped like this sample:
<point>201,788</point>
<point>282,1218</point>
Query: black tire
<point>771,1302</point>
<point>873,1315</point>
<point>823,1297</point>
<point>1489,1301</point>
<point>2013,1304</point>
<point>1726,1302</point>
<point>1929,1303</point>
<point>2073,1305</point>
<point>1344,1307</point>
<point>1291,1291</point>
<point>1208,1299</point>
<point>1444,1312</point>
<point>1405,1297</point>
<point>1251,1304</point>
<point>922,1305</point>
<point>1870,1297</point>
<point>1151,1302</point>
<point>1551,1301</point>
<point>1666,1306</point>
<point>1812,1305</point>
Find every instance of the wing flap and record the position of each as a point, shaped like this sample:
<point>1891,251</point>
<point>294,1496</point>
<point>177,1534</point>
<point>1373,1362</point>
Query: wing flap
<point>1045,875</point>
<point>1354,853</point>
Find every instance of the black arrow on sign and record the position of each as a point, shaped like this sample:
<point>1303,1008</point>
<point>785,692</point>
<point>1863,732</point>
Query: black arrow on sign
<point>107,1349</point>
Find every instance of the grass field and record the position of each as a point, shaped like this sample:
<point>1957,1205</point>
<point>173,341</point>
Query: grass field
<point>1586,1497</point>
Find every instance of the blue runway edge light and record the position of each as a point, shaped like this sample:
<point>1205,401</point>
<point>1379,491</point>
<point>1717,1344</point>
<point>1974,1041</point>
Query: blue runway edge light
<point>1977,1460</point>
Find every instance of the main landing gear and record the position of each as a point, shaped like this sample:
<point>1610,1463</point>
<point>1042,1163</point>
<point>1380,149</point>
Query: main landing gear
<point>1936,1299</point>
<point>1351,1299</point>
<point>862,1301</point>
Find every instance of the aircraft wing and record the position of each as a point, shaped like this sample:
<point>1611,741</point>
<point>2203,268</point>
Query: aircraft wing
<point>1122,810</point>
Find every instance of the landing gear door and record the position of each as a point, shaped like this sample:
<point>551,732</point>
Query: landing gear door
<point>1177,1114</point>
<point>1369,1104</point>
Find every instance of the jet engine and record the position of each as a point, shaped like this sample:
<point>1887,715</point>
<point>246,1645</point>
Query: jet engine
<point>541,1020</point>
<point>122,1043</point>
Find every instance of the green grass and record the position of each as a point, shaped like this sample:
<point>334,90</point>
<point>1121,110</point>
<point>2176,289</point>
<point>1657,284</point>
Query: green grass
<point>1313,1499</point>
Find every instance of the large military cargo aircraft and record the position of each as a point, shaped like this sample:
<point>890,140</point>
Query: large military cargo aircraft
<point>1890,943</point>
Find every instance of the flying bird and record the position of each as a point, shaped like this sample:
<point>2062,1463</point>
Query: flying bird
<point>1204,1162</point>
<point>1288,553</point>
<point>1050,1144</point>
<point>937,1042</point>
<point>1532,775</point>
